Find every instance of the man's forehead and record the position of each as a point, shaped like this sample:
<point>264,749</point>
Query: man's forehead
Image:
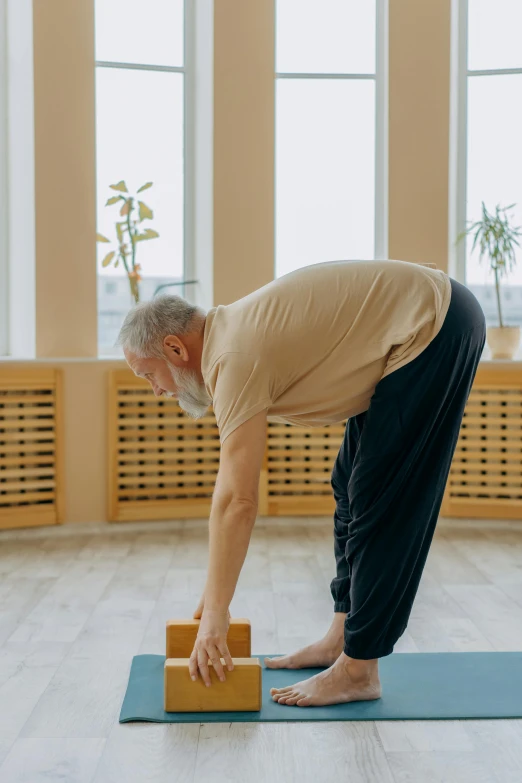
<point>137,364</point>
<point>130,358</point>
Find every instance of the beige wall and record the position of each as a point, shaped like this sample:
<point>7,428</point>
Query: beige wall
<point>419,99</point>
<point>85,439</point>
<point>243,189</point>
<point>64,178</point>
<point>244,86</point>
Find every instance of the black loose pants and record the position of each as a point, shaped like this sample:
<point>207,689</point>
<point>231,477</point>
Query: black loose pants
<point>389,479</point>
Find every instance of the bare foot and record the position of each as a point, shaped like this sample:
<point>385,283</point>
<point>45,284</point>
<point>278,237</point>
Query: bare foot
<point>322,653</point>
<point>347,680</point>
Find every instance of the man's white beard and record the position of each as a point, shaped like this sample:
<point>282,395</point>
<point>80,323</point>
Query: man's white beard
<point>192,396</point>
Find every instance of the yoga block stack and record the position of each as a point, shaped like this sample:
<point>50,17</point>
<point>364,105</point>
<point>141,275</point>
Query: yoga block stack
<point>241,691</point>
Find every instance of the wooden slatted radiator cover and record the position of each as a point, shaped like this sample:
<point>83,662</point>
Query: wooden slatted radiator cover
<point>299,467</point>
<point>31,448</point>
<point>485,479</point>
<point>162,463</point>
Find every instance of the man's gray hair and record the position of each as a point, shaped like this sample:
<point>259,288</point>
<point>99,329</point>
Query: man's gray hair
<point>148,323</point>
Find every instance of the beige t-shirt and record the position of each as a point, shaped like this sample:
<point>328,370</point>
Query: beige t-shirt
<point>311,346</point>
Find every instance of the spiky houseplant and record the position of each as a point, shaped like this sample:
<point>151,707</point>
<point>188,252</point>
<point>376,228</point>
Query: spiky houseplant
<point>128,233</point>
<point>497,240</point>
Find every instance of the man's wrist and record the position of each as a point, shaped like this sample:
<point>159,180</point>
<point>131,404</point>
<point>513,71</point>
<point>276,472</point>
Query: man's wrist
<point>217,609</point>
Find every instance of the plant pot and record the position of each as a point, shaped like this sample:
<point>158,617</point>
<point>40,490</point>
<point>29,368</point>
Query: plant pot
<point>503,341</point>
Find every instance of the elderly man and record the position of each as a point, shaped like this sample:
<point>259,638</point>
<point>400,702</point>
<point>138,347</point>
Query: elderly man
<point>391,346</point>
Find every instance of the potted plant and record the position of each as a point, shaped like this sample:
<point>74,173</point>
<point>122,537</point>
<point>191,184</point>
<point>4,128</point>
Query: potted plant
<point>497,240</point>
<point>128,233</point>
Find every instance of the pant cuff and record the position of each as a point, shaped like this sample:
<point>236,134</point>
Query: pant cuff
<point>366,655</point>
<point>342,606</point>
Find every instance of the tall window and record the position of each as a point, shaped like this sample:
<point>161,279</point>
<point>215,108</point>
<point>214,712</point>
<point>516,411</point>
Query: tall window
<point>4,298</point>
<point>141,129</point>
<point>491,151</point>
<point>330,131</point>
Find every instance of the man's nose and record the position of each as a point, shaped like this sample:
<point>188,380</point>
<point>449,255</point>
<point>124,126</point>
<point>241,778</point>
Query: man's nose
<point>157,391</point>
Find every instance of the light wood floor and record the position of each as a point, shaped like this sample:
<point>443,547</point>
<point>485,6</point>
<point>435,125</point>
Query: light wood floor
<point>77,602</point>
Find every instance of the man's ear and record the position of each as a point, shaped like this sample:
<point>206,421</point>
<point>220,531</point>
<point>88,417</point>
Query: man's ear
<point>172,345</point>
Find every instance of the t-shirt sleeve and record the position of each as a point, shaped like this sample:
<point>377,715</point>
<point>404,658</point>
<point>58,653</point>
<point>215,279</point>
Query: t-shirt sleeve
<point>241,386</point>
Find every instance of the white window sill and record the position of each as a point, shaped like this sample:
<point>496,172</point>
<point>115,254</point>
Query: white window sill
<point>486,359</point>
<point>64,360</point>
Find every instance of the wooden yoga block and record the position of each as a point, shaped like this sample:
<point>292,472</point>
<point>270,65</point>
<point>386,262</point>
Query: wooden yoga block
<point>241,691</point>
<point>181,637</point>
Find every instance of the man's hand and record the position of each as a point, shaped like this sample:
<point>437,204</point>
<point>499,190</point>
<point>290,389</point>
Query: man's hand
<point>211,644</point>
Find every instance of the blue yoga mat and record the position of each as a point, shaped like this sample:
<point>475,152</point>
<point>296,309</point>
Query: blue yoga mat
<point>416,686</point>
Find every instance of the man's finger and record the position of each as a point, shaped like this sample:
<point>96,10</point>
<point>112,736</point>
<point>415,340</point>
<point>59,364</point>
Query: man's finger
<point>224,653</point>
<point>203,666</point>
<point>193,666</point>
<point>215,659</point>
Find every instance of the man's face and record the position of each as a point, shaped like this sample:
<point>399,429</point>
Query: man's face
<point>170,381</point>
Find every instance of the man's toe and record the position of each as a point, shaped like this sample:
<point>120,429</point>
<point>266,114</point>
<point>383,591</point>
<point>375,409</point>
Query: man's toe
<point>277,663</point>
<point>287,698</point>
<point>282,690</point>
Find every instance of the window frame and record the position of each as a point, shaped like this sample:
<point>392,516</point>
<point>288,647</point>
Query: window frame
<point>4,188</point>
<point>187,71</point>
<point>380,77</point>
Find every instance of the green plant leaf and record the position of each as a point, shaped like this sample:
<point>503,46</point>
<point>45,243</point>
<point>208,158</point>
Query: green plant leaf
<point>149,233</point>
<point>146,186</point>
<point>108,258</point>
<point>121,186</point>
<point>125,208</point>
<point>496,238</point>
<point>116,263</point>
<point>101,238</point>
<point>113,200</point>
<point>120,230</point>
<point>145,211</point>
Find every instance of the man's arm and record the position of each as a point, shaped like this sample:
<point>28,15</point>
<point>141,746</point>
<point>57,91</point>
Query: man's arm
<point>232,518</point>
<point>234,509</point>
